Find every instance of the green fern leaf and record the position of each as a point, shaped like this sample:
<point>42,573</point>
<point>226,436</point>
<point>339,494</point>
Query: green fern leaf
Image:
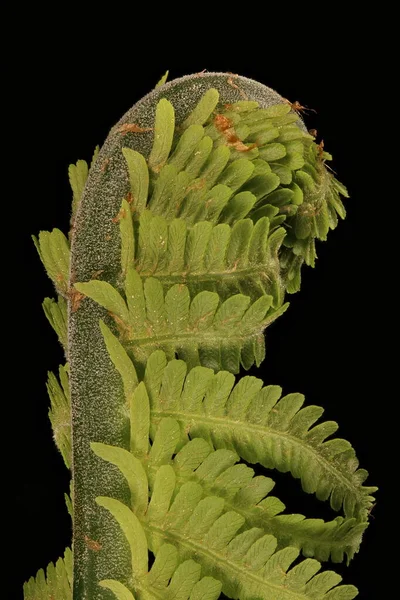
<point>199,157</point>
<point>56,584</point>
<point>245,562</point>
<point>203,331</point>
<point>133,531</point>
<point>68,500</point>
<point>316,214</point>
<point>127,239</point>
<point>163,135</point>
<point>216,470</point>
<point>275,432</point>
<point>54,252</point>
<point>60,412</point>
<point>248,496</point>
<point>198,179</point>
<point>272,152</point>
<point>238,207</point>
<point>216,223</point>
<point>139,179</point>
<point>186,146</point>
<point>106,295</point>
<point>120,360</point>
<point>78,175</point>
<point>241,259</point>
<point>56,313</point>
<point>166,579</point>
<point>203,109</point>
<point>120,591</point>
<point>131,468</point>
<point>140,421</point>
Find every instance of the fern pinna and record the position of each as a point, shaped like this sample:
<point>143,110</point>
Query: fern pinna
<point>187,233</point>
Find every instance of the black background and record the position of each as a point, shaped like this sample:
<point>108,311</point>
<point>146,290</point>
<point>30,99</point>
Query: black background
<point>64,97</point>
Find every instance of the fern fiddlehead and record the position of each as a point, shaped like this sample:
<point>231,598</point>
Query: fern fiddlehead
<point>195,219</point>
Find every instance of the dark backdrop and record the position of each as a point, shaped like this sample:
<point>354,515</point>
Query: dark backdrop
<point>64,100</point>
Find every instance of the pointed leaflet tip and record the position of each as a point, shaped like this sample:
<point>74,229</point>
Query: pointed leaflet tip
<point>163,79</point>
<point>95,155</point>
<point>37,246</point>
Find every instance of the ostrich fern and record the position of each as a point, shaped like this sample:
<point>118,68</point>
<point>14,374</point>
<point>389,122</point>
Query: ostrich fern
<point>187,232</point>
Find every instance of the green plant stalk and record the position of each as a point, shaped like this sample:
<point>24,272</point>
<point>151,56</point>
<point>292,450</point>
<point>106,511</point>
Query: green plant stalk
<point>113,257</point>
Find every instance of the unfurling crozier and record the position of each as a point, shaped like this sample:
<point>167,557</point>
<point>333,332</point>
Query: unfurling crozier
<point>187,232</point>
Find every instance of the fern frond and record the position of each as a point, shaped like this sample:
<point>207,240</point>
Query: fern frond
<point>184,511</point>
<point>218,475</point>
<point>261,427</point>
<point>317,213</point>
<point>56,313</point>
<point>120,360</point>
<point>167,579</point>
<point>203,109</point>
<point>208,256</point>
<point>201,195</point>
<point>68,500</point>
<point>139,179</point>
<point>164,127</point>
<point>60,412</point>
<point>55,584</point>
<point>245,562</point>
<point>249,496</point>
<point>227,164</point>
<point>202,330</point>
<point>54,251</point>
<point>162,583</point>
<point>78,175</point>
